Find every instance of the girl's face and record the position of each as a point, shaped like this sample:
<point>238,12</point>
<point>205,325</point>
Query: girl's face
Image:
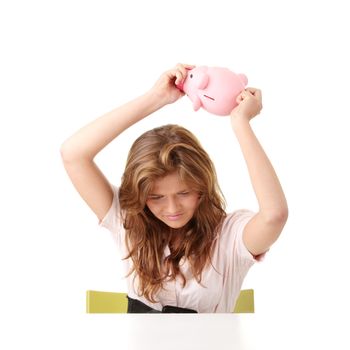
<point>172,201</point>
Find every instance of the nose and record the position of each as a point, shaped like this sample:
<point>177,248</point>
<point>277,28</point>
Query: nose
<point>172,206</point>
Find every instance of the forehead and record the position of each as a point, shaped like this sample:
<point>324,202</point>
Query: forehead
<point>169,183</point>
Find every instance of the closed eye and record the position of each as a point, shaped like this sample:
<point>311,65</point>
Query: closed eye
<point>155,197</point>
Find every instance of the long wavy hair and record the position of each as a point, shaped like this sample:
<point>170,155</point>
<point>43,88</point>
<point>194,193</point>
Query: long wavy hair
<point>153,155</point>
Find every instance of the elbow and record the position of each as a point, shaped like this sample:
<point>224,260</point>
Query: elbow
<point>65,152</point>
<point>282,215</point>
<point>68,156</point>
<point>277,217</point>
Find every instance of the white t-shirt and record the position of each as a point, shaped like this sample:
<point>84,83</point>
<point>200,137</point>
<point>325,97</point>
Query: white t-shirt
<point>219,287</point>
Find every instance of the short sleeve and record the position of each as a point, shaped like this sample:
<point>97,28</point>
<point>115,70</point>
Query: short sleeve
<point>112,220</point>
<point>233,259</point>
<point>235,227</point>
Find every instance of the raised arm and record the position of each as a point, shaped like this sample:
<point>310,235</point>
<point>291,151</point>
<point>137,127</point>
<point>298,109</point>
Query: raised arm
<point>265,227</point>
<point>79,150</point>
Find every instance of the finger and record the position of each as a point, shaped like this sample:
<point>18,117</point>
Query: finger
<point>254,91</point>
<point>239,98</point>
<point>180,76</point>
<point>184,68</point>
<point>250,89</point>
<point>258,94</point>
<point>180,67</point>
<point>245,94</point>
<point>189,66</point>
<point>171,73</point>
<point>174,73</point>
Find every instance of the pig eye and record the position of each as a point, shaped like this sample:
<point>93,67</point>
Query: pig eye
<point>191,76</point>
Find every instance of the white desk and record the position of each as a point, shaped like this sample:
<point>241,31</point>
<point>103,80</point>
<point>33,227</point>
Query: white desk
<point>206,331</point>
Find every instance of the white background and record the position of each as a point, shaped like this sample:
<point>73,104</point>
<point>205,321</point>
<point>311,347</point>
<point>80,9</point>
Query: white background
<point>65,63</point>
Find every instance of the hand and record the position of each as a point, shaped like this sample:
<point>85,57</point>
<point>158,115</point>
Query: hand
<point>249,104</point>
<point>165,88</point>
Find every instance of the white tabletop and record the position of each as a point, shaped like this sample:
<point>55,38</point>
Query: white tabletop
<point>273,331</point>
<point>206,331</point>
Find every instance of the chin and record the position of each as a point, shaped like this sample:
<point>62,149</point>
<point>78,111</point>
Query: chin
<point>176,224</point>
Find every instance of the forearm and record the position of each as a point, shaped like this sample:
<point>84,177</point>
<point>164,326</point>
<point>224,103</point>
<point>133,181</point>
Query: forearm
<point>92,138</point>
<point>267,188</point>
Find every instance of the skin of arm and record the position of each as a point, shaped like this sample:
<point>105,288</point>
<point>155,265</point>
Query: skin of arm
<point>79,150</point>
<point>265,227</point>
<point>87,142</point>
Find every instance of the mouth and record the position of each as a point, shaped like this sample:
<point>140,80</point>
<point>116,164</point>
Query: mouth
<point>173,217</point>
<point>210,98</point>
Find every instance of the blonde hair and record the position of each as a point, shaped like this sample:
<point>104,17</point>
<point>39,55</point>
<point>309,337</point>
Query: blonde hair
<point>153,155</point>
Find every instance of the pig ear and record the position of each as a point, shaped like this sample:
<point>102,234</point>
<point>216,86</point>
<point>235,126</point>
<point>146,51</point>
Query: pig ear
<point>243,79</point>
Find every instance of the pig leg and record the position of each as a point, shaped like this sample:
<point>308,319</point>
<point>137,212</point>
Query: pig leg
<point>197,103</point>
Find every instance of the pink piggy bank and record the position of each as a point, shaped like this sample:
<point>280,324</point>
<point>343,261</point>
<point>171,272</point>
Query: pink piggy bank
<point>213,88</point>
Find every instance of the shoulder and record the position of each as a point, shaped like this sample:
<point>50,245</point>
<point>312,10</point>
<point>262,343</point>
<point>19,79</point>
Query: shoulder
<point>231,234</point>
<point>236,221</point>
<point>231,231</point>
<point>112,220</point>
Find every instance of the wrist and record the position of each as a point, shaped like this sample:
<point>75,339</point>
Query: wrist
<point>157,99</point>
<point>239,120</point>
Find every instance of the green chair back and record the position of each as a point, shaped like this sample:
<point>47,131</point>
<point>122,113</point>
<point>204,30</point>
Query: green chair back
<point>110,302</point>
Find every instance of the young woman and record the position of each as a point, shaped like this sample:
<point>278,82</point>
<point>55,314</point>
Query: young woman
<point>182,251</point>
